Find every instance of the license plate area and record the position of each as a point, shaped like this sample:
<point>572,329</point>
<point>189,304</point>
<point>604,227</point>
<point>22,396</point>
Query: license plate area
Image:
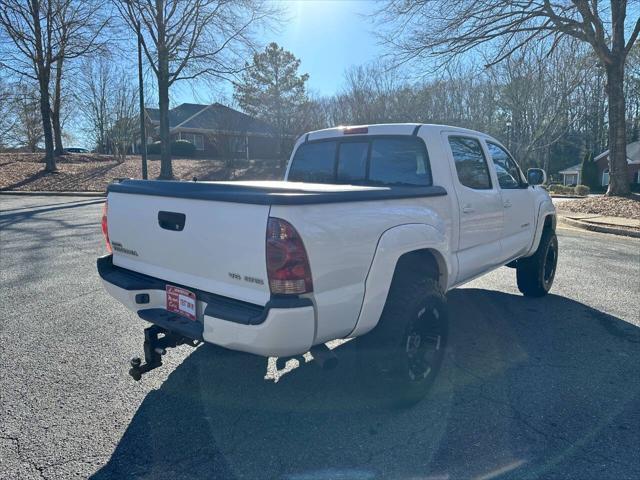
<point>181,301</point>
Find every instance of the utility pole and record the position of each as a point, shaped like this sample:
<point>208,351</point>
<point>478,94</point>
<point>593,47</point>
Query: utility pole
<point>143,133</point>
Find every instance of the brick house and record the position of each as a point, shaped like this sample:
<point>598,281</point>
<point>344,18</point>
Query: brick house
<point>571,175</point>
<point>217,131</point>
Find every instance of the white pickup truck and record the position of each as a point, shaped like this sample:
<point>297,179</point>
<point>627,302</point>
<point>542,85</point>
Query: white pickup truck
<point>368,230</point>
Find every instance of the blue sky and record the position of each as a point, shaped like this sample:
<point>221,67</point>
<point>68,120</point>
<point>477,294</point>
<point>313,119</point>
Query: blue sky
<point>328,36</point>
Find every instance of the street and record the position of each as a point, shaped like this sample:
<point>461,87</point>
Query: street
<point>530,388</point>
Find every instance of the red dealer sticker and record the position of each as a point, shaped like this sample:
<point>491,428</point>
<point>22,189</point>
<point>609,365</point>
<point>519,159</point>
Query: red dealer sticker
<point>181,301</point>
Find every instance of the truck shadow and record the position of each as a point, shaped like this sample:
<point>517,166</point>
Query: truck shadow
<point>530,388</point>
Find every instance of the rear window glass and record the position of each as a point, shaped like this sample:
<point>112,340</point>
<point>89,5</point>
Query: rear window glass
<point>313,163</point>
<point>352,162</point>
<point>401,160</point>
<point>398,161</point>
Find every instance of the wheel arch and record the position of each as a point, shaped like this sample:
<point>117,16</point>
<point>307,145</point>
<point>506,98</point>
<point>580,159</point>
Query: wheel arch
<point>547,219</point>
<point>423,262</point>
<point>412,249</point>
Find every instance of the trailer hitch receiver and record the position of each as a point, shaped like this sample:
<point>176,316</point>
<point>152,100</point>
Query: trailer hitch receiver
<point>156,342</point>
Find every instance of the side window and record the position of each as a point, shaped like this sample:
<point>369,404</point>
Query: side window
<point>472,168</point>
<point>508,172</point>
<point>313,163</point>
<point>399,161</point>
<point>352,162</point>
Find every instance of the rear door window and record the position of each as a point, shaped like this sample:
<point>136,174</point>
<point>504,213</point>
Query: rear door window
<point>399,161</point>
<point>314,163</point>
<point>471,165</point>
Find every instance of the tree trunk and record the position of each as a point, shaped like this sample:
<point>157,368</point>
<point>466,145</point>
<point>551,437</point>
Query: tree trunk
<point>45,110</point>
<point>166,171</point>
<point>43,70</point>
<point>618,170</point>
<point>55,111</point>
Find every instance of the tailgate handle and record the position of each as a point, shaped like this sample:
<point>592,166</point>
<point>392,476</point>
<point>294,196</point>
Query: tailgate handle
<point>171,221</point>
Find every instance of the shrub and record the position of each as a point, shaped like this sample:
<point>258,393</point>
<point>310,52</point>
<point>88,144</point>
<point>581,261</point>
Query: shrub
<point>153,148</point>
<point>182,148</point>
<point>582,190</point>
<point>566,190</point>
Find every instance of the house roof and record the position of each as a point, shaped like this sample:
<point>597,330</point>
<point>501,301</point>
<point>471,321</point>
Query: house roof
<point>633,153</point>
<point>571,170</point>
<point>214,117</point>
<point>153,114</point>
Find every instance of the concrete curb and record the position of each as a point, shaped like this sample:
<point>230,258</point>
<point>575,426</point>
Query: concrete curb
<point>51,194</point>
<point>567,196</point>
<point>626,232</point>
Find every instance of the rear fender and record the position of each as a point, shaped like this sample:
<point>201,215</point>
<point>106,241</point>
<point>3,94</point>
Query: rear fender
<point>394,243</point>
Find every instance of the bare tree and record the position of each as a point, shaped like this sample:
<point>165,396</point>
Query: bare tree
<point>94,95</point>
<point>78,29</point>
<point>123,127</point>
<point>28,27</point>
<point>26,129</point>
<point>633,94</point>
<point>7,112</point>
<point>108,97</point>
<point>190,39</point>
<point>548,108</point>
<point>37,35</point>
<point>444,29</point>
<point>537,95</point>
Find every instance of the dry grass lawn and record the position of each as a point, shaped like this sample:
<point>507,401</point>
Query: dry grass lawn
<point>626,207</point>
<point>93,172</point>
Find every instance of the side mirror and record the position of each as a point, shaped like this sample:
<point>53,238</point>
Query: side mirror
<point>536,176</point>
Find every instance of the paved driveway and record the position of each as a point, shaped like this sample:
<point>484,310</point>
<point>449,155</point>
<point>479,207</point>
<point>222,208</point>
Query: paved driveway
<point>531,388</point>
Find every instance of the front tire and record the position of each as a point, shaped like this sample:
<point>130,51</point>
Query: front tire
<point>535,274</point>
<point>402,355</point>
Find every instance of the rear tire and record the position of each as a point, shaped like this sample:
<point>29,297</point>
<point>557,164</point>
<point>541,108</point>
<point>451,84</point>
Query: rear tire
<point>535,274</point>
<point>402,355</point>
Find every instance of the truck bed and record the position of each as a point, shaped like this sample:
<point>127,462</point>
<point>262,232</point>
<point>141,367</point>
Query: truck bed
<point>271,192</point>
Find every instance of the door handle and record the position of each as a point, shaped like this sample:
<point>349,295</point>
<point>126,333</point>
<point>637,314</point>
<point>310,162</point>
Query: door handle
<point>467,209</point>
<point>171,221</point>
<point>507,204</point>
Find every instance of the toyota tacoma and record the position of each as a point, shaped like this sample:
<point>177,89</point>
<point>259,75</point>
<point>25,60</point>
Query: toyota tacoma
<point>369,229</point>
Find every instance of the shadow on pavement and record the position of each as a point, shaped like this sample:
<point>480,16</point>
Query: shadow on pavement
<point>531,388</point>
<point>62,205</point>
<point>13,217</point>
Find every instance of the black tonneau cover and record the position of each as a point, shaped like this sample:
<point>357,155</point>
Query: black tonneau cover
<point>271,192</point>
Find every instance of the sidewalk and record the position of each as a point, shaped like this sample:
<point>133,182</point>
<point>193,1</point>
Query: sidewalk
<point>600,223</point>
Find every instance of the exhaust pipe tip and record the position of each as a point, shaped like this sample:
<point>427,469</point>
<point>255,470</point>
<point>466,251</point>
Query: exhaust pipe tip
<point>324,357</point>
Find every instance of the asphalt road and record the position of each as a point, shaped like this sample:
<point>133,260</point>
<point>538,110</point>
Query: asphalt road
<point>531,388</point>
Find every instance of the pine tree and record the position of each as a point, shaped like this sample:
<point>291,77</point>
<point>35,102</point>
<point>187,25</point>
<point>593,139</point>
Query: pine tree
<point>272,90</point>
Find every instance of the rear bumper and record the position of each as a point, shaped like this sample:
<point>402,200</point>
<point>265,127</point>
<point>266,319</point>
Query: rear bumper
<point>285,326</point>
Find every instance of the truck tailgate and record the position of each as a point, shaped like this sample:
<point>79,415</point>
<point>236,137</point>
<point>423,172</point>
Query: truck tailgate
<point>217,247</point>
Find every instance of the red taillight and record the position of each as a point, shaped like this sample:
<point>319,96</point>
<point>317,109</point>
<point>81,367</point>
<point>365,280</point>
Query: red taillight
<point>287,262</point>
<point>105,227</point>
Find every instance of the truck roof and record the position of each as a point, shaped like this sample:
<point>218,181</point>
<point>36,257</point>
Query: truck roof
<point>384,129</point>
